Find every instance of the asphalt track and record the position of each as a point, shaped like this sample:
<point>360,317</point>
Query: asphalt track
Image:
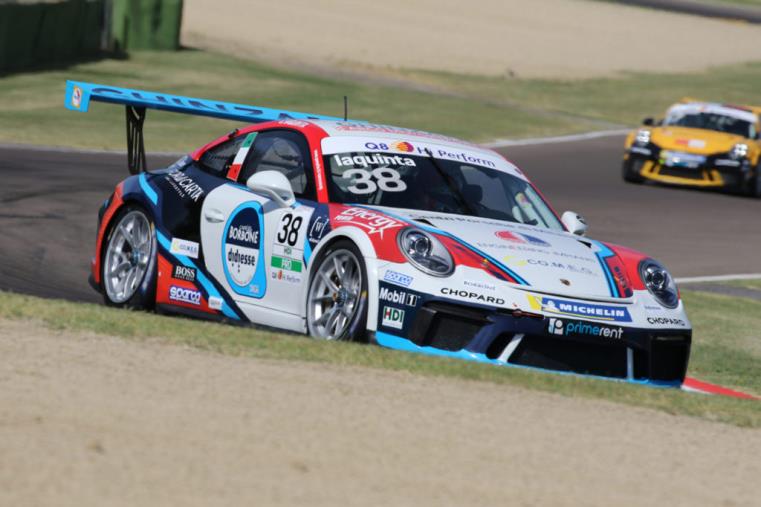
<point>49,201</point>
<point>746,13</point>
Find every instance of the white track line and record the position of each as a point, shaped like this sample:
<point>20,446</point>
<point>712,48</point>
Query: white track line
<point>502,143</point>
<point>718,278</point>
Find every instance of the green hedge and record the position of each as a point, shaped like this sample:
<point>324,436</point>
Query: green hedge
<point>146,24</point>
<point>38,33</point>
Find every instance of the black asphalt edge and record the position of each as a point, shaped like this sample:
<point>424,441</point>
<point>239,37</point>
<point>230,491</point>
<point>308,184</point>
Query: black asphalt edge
<point>731,12</point>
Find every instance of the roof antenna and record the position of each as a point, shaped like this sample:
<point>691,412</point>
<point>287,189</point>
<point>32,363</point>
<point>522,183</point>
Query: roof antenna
<point>346,108</point>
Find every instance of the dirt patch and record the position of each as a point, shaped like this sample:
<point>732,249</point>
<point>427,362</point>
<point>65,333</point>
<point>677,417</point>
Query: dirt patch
<point>92,420</point>
<point>525,38</point>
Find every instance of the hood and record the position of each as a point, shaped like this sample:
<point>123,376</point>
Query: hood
<point>692,140</point>
<point>555,262</point>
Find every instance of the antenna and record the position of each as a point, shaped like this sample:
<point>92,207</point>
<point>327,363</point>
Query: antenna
<point>346,108</point>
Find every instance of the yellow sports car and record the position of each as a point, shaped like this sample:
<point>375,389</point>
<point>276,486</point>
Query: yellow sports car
<point>699,144</point>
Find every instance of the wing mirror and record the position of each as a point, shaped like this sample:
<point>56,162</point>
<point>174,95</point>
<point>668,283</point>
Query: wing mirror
<point>648,122</point>
<point>575,223</point>
<point>274,185</point>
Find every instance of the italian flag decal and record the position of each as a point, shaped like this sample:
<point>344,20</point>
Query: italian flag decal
<point>240,157</point>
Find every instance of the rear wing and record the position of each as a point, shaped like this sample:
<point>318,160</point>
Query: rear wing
<point>136,102</point>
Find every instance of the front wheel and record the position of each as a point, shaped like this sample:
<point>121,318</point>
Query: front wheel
<point>129,265</point>
<point>753,185</point>
<point>631,170</point>
<point>337,296</point>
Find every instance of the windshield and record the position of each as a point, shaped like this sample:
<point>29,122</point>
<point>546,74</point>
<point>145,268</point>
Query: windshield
<point>444,186</point>
<point>712,121</point>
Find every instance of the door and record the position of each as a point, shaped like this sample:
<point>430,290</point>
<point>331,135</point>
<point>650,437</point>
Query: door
<point>256,248</point>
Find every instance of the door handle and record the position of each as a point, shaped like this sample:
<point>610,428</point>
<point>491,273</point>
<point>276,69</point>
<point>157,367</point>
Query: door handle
<point>214,216</point>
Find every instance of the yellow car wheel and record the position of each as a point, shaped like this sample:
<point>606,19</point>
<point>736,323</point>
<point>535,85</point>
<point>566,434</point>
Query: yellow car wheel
<point>631,170</point>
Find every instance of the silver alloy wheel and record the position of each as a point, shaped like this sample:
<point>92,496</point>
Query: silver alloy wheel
<point>334,295</point>
<point>127,256</point>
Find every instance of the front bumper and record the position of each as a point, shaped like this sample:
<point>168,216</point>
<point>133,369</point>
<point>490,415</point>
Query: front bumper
<point>714,171</point>
<point>658,356</point>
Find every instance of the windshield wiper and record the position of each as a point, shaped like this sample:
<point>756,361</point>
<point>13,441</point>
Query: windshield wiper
<point>451,184</point>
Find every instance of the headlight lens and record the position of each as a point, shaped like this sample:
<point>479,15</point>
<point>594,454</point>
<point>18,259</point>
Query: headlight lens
<point>643,137</point>
<point>425,252</point>
<point>659,282</point>
<point>740,150</point>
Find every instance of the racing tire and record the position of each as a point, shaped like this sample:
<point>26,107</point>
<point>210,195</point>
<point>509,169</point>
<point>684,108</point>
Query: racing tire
<point>630,170</point>
<point>752,187</point>
<point>128,260</point>
<point>337,294</point>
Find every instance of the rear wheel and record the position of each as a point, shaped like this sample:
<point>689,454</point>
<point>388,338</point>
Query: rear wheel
<point>129,260</point>
<point>631,169</point>
<point>337,296</point>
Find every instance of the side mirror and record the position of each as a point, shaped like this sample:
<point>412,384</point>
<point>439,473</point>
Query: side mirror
<point>648,122</point>
<point>273,185</point>
<point>575,223</point>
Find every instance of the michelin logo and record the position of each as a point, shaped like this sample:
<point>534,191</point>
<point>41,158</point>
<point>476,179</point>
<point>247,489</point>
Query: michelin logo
<point>579,309</point>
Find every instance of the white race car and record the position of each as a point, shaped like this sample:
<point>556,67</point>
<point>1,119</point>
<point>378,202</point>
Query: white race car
<point>346,230</point>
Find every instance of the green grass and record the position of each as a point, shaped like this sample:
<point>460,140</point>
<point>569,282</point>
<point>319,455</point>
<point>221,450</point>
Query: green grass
<point>471,107</point>
<point>726,350</point>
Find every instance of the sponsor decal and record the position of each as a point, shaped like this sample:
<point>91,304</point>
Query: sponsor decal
<point>215,303</point>
<point>398,296</point>
<point>285,276</point>
<point>76,97</point>
<point>242,246</point>
<point>184,247</point>
<point>286,264</point>
<point>519,237</point>
<point>319,227</point>
<point>579,309</point>
<point>184,295</point>
<point>473,296</point>
<point>570,327</point>
<point>397,278</point>
<point>242,250</point>
<point>184,273</point>
<point>371,221</point>
<point>403,146</point>
<point>294,123</point>
<point>561,265</point>
<point>666,321</point>
<point>479,285</point>
<point>393,317</point>
<point>375,159</point>
<point>184,185</point>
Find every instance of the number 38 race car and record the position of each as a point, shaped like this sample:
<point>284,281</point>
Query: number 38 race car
<point>346,230</point>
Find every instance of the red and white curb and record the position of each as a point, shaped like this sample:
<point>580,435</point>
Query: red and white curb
<point>698,386</point>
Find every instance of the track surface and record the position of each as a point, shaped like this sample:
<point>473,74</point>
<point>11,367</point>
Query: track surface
<point>49,201</point>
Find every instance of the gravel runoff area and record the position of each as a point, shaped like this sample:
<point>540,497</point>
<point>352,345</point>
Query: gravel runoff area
<point>92,420</point>
<point>527,38</point>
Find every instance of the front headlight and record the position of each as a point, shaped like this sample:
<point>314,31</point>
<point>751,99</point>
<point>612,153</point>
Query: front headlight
<point>659,282</point>
<point>643,137</point>
<point>425,252</point>
<point>740,150</point>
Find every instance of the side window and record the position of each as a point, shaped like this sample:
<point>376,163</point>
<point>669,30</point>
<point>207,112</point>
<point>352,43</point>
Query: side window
<point>218,159</point>
<point>284,151</point>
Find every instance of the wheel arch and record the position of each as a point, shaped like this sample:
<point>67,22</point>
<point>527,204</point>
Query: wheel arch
<point>369,257</point>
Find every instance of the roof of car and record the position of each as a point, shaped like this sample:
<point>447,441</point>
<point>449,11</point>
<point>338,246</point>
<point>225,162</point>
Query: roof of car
<point>744,113</point>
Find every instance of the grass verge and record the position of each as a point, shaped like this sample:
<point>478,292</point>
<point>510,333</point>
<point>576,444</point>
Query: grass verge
<point>726,350</point>
<point>471,107</point>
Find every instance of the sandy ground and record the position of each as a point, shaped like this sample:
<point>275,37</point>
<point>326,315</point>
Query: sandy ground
<point>529,38</point>
<point>92,420</point>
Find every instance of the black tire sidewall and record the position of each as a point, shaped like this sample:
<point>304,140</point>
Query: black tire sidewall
<point>144,297</point>
<point>356,331</point>
<point>628,173</point>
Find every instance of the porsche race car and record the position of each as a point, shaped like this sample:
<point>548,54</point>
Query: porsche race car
<point>348,230</point>
<point>698,144</point>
